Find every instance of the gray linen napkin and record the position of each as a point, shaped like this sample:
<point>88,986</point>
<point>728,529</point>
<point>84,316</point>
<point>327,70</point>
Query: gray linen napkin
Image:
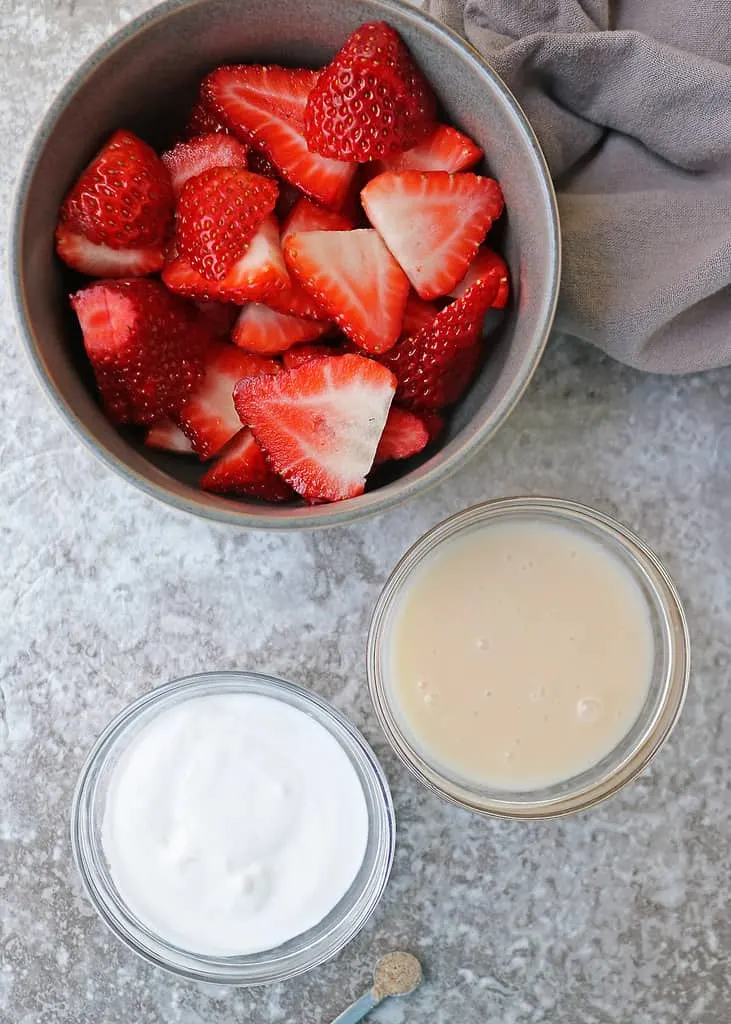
<point>631,100</point>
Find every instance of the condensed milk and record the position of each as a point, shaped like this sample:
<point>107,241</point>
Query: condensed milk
<point>519,654</point>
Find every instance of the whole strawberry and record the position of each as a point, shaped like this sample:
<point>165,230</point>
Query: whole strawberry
<point>371,101</point>
<point>218,214</point>
<point>124,199</point>
<point>147,347</point>
<point>434,366</point>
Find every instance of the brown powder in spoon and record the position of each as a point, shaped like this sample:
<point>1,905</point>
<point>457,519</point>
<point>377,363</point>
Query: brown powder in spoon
<point>396,974</point>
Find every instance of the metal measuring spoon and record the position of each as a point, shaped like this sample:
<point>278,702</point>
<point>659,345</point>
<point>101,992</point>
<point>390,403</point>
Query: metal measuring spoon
<point>396,974</point>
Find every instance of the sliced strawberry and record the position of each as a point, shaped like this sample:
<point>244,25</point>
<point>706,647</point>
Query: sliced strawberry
<point>403,436</point>
<point>218,214</point>
<point>308,216</point>
<point>445,149</point>
<point>301,354</point>
<point>188,159</point>
<point>432,222</point>
<point>295,301</point>
<point>435,365</point>
<point>417,314</point>
<point>167,436</point>
<point>263,330</point>
<point>203,122</point>
<point>242,471</point>
<point>259,273</point>
<point>146,346</point>
<point>320,425</point>
<point>265,105</point>
<point>371,100</point>
<point>487,263</point>
<point>101,261</point>
<point>221,316</point>
<point>209,418</point>
<point>355,279</point>
<point>124,198</point>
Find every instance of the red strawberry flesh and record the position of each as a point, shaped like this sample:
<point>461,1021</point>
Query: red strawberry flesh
<point>124,198</point>
<point>432,222</point>
<point>167,436</point>
<point>301,354</point>
<point>264,330</point>
<point>435,366</point>
<point>487,263</point>
<point>242,471</point>
<point>208,417</point>
<point>95,260</point>
<point>218,214</point>
<point>403,436</point>
<point>188,159</point>
<point>146,346</point>
<point>355,280</point>
<point>320,424</point>
<point>265,106</point>
<point>371,100</point>
<point>258,275</point>
<point>445,149</point>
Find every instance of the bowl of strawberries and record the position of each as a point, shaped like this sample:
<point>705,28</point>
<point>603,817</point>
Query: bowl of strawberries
<point>285,266</point>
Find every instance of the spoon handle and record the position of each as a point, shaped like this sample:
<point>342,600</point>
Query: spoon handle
<point>357,1010</point>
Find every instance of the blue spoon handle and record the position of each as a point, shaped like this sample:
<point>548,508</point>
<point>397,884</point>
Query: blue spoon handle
<point>357,1010</point>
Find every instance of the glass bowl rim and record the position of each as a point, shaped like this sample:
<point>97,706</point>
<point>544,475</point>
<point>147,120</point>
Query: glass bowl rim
<point>355,908</point>
<point>676,646</point>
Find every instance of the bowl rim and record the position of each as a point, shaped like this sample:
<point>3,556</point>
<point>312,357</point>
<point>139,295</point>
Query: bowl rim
<point>319,516</point>
<point>300,954</point>
<point>579,792</point>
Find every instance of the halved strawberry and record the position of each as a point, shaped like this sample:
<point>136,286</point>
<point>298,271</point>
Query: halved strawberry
<point>146,346</point>
<point>320,425</point>
<point>432,222</point>
<point>259,273</point>
<point>403,436</point>
<point>308,216</point>
<point>218,214</point>
<point>167,436</point>
<point>221,316</point>
<point>242,471</point>
<point>417,314</point>
<point>371,100</point>
<point>100,261</point>
<point>355,279</point>
<point>301,354</point>
<point>188,159</point>
<point>265,106</point>
<point>263,330</point>
<point>208,418</point>
<point>124,198</point>
<point>445,149</point>
<point>435,365</point>
<point>487,263</point>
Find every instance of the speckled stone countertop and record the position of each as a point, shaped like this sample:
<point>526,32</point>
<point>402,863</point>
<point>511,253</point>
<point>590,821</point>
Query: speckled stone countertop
<point>617,915</point>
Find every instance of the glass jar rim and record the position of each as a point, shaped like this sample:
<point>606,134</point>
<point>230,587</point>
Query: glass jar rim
<point>301,953</point>
<point>675,641</point>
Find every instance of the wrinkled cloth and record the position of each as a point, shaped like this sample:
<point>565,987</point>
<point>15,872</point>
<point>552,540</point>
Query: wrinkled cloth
<point>631,101</point>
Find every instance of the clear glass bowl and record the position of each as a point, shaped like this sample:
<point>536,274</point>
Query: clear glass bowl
<point>299,954</point>
<point>657,717</point>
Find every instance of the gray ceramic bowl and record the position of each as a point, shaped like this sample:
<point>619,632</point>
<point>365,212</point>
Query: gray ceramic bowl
<point>145,78</point>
